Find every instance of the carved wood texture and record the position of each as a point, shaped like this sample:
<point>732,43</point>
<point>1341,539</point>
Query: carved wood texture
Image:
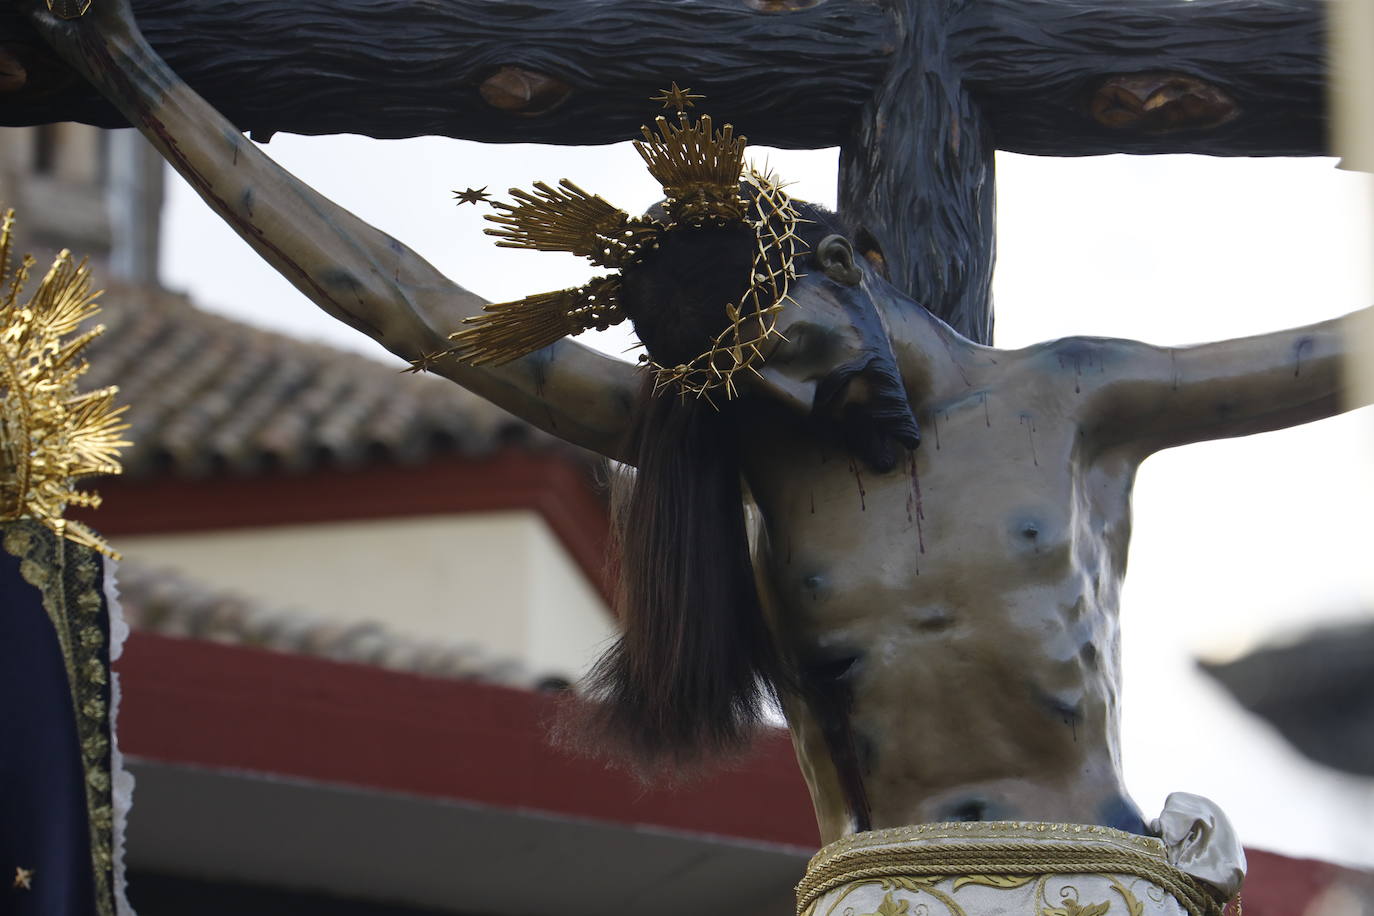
<point>918,93</point>
<point>916,178</point>
<point>404,68</point>
<point>1034,66</point>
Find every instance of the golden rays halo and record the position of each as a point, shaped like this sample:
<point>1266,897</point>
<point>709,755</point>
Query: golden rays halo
<point>51,434</point>
<point>702,171</point>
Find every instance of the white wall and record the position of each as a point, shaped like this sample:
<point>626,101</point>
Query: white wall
<point>500,580</point>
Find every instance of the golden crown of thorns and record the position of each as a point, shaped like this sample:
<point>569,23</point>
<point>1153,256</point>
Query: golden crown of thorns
<point>701,170</point>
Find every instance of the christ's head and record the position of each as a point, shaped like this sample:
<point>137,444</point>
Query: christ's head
<point>830,359</point>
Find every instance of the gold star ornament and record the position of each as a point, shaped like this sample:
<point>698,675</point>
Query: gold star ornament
<point>23,878</point>
<point>426,362</point>
<point>472,196</point>
<point>677,98</point>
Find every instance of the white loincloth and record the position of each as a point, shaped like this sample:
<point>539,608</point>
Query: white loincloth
<point>1007,868</point>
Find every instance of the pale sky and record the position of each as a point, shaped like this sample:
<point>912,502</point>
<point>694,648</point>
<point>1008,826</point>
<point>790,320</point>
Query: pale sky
<point>1236,543</point>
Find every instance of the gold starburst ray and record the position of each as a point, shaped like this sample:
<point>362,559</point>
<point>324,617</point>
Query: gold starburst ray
<point>699,168</point>
<point>51,434</point>
<point>508,330</point>
<point>567,218</point>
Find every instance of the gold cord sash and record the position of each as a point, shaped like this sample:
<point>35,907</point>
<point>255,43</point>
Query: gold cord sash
<point>961,850</point>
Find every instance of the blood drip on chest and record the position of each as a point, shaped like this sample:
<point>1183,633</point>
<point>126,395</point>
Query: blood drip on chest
<point>915,511</point>
<point>858,479</point>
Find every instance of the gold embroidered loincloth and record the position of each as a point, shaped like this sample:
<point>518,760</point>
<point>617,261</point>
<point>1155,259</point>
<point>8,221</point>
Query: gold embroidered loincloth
<point>1000,867</point>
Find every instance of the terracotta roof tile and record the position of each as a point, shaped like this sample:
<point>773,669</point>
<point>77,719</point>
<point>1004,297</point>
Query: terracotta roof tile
<point>209,395</point>
<point>170,604</point>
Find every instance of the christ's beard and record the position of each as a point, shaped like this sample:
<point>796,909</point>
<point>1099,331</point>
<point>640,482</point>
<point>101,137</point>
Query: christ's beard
<point>868,405</point>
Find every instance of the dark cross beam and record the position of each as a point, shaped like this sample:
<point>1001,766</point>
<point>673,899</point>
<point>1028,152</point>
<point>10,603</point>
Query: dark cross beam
<point>917,93</point>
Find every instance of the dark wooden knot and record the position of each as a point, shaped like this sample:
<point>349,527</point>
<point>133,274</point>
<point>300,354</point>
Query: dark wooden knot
<point>522,91</point>
<point>781,6</point>
<point>1160,102</point>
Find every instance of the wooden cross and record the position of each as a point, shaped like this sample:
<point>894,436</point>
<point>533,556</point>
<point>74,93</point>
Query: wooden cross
<point>918,94</point>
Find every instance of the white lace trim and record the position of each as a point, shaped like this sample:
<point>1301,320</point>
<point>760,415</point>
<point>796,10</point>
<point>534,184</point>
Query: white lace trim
<point>121,780</point>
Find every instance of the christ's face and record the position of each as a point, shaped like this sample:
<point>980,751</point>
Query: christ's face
<point>834,361</point>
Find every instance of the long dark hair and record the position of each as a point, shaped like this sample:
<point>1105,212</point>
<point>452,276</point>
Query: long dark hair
<point>695,663</point>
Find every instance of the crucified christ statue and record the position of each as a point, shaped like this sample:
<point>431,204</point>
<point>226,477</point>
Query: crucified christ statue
<point>932,586</point>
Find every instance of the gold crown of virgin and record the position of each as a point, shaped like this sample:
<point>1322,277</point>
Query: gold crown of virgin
<point>51,434</point>
<point>701,170</point>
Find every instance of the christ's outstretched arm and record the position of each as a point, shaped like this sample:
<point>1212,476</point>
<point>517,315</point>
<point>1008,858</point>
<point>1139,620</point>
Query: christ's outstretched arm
<point>1158,397</point>
<point>352,271</point>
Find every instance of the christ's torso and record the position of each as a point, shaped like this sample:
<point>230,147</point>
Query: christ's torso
<point>954,620</point>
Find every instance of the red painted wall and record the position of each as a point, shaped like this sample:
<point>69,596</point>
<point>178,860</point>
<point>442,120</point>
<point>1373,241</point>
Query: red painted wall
<point>200,703</point>
<point>194,702</point>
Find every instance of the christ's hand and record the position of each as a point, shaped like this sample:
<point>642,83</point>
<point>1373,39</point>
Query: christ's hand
<point>67,22</point>
<point>80,30</point>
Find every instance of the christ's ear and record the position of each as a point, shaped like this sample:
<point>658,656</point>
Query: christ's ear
<point>835,257</point>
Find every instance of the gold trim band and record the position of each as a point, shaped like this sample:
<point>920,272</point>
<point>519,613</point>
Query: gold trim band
<point>1000,848</point>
